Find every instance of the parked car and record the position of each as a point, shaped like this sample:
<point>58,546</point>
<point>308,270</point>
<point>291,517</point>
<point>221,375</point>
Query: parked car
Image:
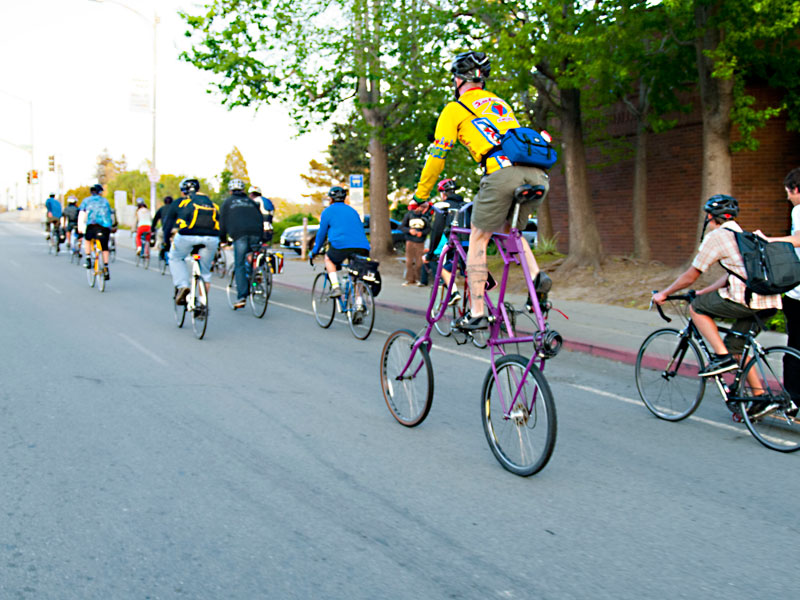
<point>291,239</point>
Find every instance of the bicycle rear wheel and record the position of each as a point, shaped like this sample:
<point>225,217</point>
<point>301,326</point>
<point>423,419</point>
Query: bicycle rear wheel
<point>90,274</point>
<point>361,310</point>
<point>259,291</point>
<point>146,260</point>
<point>180,313</point>
<point>231,291</point>
<point>443,325</point>
<point>220,266</point>
<point>321,301</point>
<point>666,374</point>
<point>138,260</point>
<point>769,413</point>
<point>200,310</point>
<point>522,440</point>
<point>408,397</point>
<point>162,265</point>
<point>100,276</point>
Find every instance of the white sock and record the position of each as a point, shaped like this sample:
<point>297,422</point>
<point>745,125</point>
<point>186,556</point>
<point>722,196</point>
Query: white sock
<point>334,279</point>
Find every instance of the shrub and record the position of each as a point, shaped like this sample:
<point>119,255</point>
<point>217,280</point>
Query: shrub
<point>293,220</point>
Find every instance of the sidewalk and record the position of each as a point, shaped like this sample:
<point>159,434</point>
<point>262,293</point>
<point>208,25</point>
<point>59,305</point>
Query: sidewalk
<point>607,331</point>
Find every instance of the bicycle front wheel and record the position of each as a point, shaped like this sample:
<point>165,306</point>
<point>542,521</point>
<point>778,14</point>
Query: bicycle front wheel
<point>259,291</point>
<point>769,412</point>
<point>180,313</point>
<point>667,378</point>
<point>361,310</point>
<point>200,310</point>
<point>521,436</point>
<point>321,301</point>
<point>408,394</point>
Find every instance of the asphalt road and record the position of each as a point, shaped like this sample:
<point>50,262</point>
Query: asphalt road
<point>261,462</point>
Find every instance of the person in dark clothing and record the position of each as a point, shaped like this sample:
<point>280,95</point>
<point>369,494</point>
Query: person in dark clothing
<point>70,218</point>
<point>240,219</point>
<point>159,219</point>
<point>416,225</point>
<point>197,220</point>
<point>440,224</point>
<point>267,209</point>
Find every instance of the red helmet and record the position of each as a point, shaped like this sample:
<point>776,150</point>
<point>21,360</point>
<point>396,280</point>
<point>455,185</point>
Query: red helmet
<point>413,205</point>
<point>447,185</point>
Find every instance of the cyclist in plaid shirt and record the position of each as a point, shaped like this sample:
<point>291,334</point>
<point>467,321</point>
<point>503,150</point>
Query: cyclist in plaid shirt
<point>725,298</point>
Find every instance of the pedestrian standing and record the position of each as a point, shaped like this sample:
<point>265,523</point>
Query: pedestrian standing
<point>416,225</point>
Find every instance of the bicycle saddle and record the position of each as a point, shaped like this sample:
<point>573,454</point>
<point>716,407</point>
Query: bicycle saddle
<point>196,248</point>
<point>527,192</point>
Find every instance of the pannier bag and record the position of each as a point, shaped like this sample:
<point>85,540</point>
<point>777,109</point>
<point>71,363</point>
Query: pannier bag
<point>366,270</point>
<point>771,267</point>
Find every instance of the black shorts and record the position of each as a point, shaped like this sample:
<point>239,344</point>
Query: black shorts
<point>98,232</point>
<point>338,256</point>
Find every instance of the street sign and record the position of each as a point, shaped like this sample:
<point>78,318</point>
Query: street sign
<point>154,176</point>
<point>357,193</point>
<point>140,95</point>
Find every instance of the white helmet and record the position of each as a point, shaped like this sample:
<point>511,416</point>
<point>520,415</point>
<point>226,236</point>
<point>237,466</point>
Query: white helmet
<point>254,189</point>
<point>236,185</point>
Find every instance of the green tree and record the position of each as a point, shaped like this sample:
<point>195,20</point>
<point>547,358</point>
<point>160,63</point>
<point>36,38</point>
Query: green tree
<point>107,168</point>
<point>134,183</point>
<point>734,40</point>
<point>382,57</point>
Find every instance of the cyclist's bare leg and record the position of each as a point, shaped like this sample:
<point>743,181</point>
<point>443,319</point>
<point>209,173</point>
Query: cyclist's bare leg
<point>330,267</point>
<point>708,329</point>
<point>477,269</point>
<point>105,257</point>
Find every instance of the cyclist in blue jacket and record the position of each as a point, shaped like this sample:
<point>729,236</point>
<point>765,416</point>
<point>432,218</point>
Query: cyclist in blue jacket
<point>342,227</point>
<point>98,224</point>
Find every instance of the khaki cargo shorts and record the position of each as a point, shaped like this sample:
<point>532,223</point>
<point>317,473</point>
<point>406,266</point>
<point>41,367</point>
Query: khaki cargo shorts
<point>494,203</point>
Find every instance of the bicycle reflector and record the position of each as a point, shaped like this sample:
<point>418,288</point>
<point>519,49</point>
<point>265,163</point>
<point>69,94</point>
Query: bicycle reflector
<point>546,136</point>
<point>550,343</point>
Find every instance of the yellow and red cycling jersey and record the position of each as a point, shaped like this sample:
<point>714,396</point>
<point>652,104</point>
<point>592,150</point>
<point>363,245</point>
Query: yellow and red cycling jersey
<point>474,131</point>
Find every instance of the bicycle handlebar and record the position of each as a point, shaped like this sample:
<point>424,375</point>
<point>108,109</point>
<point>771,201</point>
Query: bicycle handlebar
<point>687,297</point>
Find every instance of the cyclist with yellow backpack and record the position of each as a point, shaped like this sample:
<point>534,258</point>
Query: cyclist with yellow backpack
<point>196,219</point>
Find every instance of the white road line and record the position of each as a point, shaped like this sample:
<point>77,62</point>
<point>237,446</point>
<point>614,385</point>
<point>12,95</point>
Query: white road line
<point>724,426</point>
<point>55,289</point>
<point>143,350</point>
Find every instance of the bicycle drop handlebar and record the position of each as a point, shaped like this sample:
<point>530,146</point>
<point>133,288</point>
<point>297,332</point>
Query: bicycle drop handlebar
<point>687,297</point>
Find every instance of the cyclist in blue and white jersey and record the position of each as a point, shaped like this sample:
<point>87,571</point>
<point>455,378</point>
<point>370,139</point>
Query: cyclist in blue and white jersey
<point>98,224</point>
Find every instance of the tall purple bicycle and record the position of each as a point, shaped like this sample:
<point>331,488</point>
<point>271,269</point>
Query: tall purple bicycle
<point>517,407</point>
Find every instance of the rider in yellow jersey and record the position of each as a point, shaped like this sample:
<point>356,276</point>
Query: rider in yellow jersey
<point>477,119</point>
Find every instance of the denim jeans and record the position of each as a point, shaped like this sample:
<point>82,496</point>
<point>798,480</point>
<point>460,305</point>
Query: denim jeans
<point>181,248</point>
<point>241,246</point>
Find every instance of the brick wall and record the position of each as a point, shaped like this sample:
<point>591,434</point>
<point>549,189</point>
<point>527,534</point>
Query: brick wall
<point>674,165</point>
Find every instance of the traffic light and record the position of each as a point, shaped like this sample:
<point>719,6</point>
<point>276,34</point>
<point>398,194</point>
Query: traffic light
<point>51,163</point>
<point>35,175</point>
<point>29,177</point>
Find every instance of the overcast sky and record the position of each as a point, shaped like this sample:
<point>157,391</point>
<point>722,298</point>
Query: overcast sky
<point>76,61</point>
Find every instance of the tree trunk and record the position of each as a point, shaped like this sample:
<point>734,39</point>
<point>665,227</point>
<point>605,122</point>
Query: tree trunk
<point>545,221</point>
<point>641,240</point>
<point>716,96</point>
<point>379,224</point>
<point>584,239</point>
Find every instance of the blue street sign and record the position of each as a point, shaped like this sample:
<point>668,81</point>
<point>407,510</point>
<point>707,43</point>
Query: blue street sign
<point>356,181</point>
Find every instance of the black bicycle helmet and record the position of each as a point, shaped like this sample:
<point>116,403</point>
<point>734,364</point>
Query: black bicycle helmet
<point>471,66</point>
<point>722,205</point>
<point>189,185</point>
<point>96,188</point>
<point>167,199</point>
<point>337,194</point>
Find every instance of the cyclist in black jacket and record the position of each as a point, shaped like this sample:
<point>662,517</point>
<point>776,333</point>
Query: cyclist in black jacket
<point>70,218</point>
<point>241,221</point>
<point>197,220</point>
<point>159,218</point>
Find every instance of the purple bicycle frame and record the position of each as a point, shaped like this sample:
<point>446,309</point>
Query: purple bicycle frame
<point>509,245</point>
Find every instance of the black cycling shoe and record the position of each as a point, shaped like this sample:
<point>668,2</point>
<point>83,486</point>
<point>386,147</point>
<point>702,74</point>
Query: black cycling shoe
<point>761,408</point>
<point>468,323</point>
